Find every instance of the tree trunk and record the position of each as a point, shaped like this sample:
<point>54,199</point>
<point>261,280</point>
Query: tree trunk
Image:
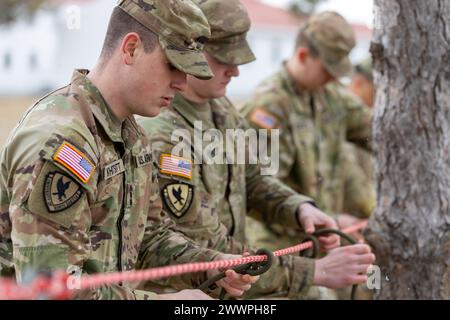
<point>410,230</point>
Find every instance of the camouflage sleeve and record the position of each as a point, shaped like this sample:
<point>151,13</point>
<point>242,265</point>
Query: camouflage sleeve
<point>164,244</point>
<point>48,240</point>
<point>289,276</point>
<point>176,218</point>
<point>6,264</point>
<point>272,199</point>
<point>266,113</point>
<point>358,119</point>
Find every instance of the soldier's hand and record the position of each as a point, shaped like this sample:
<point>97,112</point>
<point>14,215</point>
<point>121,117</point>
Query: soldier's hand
<point>234,284</point>
<point>312,218</point>
<point>345,220</point>
<point>188,294</point>
<point>344,266</point>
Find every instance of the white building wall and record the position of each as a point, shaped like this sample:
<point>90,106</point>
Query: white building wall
<point>79,43</point>
<point>271,47</point>
<point>31,47</point>
<point>60,40</point>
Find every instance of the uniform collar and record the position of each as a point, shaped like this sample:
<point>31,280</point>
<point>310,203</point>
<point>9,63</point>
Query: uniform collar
<point>291,84</point>
<point>100,109</point>
<point>188,111</point>
<point>292,87</point>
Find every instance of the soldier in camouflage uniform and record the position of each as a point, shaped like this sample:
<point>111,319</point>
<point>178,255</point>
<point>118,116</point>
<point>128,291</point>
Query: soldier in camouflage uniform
<point>208,199</point>
<point>316,116</point>
<point>362,82</point>
<point>77,184</point>
<point>363,87</point>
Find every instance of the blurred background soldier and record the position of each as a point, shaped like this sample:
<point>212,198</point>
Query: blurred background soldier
<point>316,117</point>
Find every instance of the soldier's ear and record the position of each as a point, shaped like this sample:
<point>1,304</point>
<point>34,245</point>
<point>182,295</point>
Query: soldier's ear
<point>358,81</point>
<point>302,54</point>
<point>129,46</point>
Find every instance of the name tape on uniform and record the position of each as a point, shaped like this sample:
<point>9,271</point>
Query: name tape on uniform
<point>74,160</point>
<point>113,169</point>
<point>143,159</point>
<point>177,166</point>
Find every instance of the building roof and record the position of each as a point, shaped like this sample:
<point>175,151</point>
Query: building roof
<point>267,15</point>
<point>261,15</point>
<point>61,2</point>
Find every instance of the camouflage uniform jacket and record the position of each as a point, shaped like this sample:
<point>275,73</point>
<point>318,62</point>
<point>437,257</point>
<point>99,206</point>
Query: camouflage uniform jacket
<point>54,215</point>
<point>313,128</point>
<point>217,196</point>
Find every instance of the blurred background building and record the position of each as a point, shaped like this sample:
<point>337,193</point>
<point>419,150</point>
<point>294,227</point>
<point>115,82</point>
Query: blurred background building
<point>39,54</point>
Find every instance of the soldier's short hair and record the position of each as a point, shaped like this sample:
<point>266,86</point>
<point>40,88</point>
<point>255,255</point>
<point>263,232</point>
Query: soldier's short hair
<point>302,40</point>
<point>120,24</point>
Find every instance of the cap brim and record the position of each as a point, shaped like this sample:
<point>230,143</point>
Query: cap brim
<point>231,53</point>
<point>341,69</point>
<point>191,62</point>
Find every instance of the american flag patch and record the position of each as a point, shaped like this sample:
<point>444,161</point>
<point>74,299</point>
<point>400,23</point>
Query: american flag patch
<point>75,161</point>
<point>264,119</point>
<point>176,166</point>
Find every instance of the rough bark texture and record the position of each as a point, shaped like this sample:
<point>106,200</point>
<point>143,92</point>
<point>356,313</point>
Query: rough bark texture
<point>410,231</point>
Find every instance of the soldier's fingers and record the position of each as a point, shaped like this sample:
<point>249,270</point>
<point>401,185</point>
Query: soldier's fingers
<point>357,249</point>
<point>237,286</point>
<point>368,258</point>
<point>331,239</point>
<point>357,279</point>
<point>330,223</point>
<point>232,291</point>
<point>308,225</point>
<point>329,243</point>
<point>363,268</point>
<point>357,269</point>
<point>253,279</point>
<point>250,279</point>
<point>237,279</point>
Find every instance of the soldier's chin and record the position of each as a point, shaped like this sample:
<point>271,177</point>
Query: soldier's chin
<point>219,93</point>
<point>152,111</point>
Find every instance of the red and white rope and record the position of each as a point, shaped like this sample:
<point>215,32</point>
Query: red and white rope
<point>56,287</point>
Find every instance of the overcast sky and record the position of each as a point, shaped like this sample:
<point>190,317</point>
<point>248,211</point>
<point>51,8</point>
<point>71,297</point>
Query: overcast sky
<point>356,11</point>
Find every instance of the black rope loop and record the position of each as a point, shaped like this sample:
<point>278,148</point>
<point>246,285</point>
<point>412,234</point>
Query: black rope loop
<point>314,251</point>
<point>253,269</point>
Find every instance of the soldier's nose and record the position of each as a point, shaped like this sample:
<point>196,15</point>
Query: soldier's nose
<point>233,71</point>
<point>179,82</point>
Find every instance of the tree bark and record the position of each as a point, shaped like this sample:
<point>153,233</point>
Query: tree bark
<point>410,230</point>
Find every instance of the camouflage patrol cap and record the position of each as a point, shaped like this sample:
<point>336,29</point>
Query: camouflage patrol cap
<point>182,29</point>
<point>333,37</point>
<point>229,22</point>
<point>365,68</point>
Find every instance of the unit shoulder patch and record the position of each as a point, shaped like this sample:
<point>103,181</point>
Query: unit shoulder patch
<point>178,198</point>
<point>60,192</point>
